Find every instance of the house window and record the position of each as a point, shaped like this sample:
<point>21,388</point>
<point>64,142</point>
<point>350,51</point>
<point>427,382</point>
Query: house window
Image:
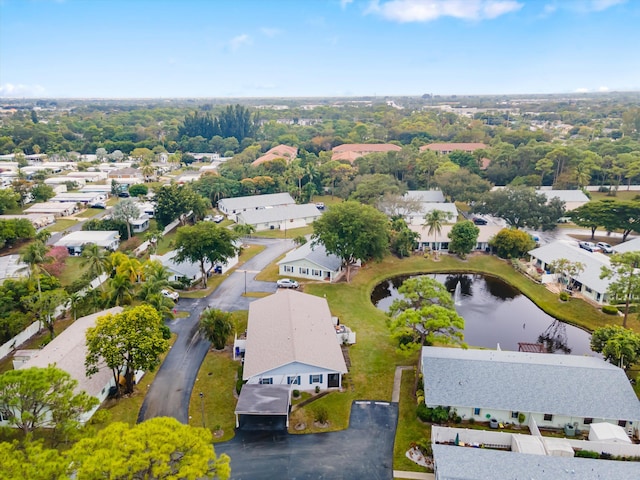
<point>4,416</point>
<point>315,378</point>
<point>514,414</point>
<point>548,417</point>
<point>588,421</point>
<point>476,411</point>
<point>288,268</point>
<point>304,271</point>
<point>622,423</point>
<point>266,381</point>
<point>295,380</point>
<point>316,273</point>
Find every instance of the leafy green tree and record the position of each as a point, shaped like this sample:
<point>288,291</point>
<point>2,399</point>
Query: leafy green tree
<point>95,259</point>
<point>14,230</point>
<point>126,342</point>
<point>138,190</point>
<point>31,460</point>
<point>207,244</point>
<point>623,215</point>
<point>462,185</point>
<point>44,306</point>
<point>566,269</point>
<point>243,230</point>
<point>160,448</point>
<point>617,344</point>
<point>592,215</point>
<point>521,207</point>
<point>434,221</point>
<point>120,289</point>
<point>217,327</point>
<point>464,238</point>
<point>369,188</point>
<point>512,243</point>
<point>42,398</point>
<point>172,202</point>
<point>35,255</point>
<point>402,239</point>
<point>42,192</point>
<point>126,211</point>
<point>624,282</point>
<point>353,232</point>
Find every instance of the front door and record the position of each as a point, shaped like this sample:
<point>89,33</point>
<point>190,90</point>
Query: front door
<point>333,380</point>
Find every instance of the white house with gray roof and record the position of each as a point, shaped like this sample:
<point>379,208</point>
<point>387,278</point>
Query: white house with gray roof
<point>279,218</point>
<point>572,198</point>
<point>587,282</point>
<point>311,262</point>
<point>425,196</point>
<point>232,206</point>
<point>179,271</point>
<point>631,245</point>
<point>554,390</point>
<point>291,340</point>
<point>464,463</point>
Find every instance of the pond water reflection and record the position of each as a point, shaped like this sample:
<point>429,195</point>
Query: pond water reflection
<point>496,313</point>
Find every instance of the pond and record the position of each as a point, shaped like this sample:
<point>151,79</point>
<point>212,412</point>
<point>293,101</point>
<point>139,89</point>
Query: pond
<point>496,313</point>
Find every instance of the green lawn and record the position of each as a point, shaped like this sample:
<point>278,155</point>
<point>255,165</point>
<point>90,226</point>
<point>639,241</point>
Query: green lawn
<point>292,233</point>
<point>621,194</point>
<point>61,225</point>
<point>165,244</point>
<point>73,270</point>
<point>89,212</point>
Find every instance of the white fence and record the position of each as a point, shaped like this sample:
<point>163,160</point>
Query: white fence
<point>471,437</point>
<point>19,339</point>
<point>620,449</point>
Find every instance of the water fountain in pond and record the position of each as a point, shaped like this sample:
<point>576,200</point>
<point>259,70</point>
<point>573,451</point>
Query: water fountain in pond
<point>457,294</point>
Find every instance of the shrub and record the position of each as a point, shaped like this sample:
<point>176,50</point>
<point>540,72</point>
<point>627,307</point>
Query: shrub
<point>564,296</point>
<point>317,389</point>
<point>457,419</point>
<point>296,393</point>
<point>609,310</point>
<point>587,454</point>
<point>472,421</point>
<point>321,415</point>
<point>521,417</point>
<point>166,332</point>
<point>424,445</point>
<point>435,415</point>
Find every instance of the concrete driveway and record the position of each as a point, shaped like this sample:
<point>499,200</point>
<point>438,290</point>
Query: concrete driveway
<point>170,392</point>
<point>363,451</point>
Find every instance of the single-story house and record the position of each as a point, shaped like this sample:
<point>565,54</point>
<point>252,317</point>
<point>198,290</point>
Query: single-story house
<point>291,340</point>
<point>572,198</point>
<point>441,241</point>
<point>75,241</point>
<point>97,188</point>
<point>140,224</point>
<point>64,180</point>
<point>587,282</point>
<point>189,270</point>
<point>263,406</point>
<point>425,196</point>
<point>311,262</point>
<point>189,177</point>
<point>68,352</point>
<point>57,209</point>
<point>631,245</point>
<point>88,176</point>
<point>84,198</point>
<point>463,463</point>
<point>417,217</point>
<point>286,152</point>
<point>147,208</point>
<point>127,173</point>
<point>550,390</point>
<point>12,267</point>
<point>446,148</point>
<point>233,206</point>
<point>352,151</point>
<point>280,218</point>
<point>38,220</point>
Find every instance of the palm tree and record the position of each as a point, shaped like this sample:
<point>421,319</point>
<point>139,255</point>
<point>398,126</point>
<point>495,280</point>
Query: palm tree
<point>434,220</point>
<point>217,327</point>
<point>120,290</point>
<point>95,258</point>
<point>162,304</point>
<point>243,229</point>
<point>35,256</point>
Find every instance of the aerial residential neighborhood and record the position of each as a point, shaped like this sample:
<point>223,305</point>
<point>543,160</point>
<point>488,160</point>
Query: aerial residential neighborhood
<point>394,239</point>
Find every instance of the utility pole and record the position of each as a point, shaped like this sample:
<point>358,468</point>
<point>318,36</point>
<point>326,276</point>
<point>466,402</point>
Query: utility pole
<point>202,408</point>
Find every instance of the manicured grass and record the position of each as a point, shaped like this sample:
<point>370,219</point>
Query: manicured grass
<point>61,225</point>
<point>409,429</point>
<point>73,270</point>
<point>165,244</point>
<point>217,379</point>
<point>112,201</point>
<point>326,199</point>
<point>621,194</point>
<point>292,233</point>
<point>89,212</point>
<point>256,294</point>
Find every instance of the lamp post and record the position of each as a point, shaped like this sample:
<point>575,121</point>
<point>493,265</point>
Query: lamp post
<point>202,408</point>
<point>245,282</point>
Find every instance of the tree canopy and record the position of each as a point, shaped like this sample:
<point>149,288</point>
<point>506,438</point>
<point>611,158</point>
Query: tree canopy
<point>353,232</point>
<point>512,243</point>
<point>464,238</point>
<point>216,326</point>
<point>624,283</point>
<point>617,344</point>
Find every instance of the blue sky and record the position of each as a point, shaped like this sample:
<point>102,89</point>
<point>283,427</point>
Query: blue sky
<point>265,48</point>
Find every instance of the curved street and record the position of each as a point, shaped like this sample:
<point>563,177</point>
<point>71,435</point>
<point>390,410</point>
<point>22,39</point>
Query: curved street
<point>170,392</point>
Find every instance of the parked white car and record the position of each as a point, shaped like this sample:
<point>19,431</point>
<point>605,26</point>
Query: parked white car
<point>605,247</point>
<point>170,294</point>
<point>287,283</point>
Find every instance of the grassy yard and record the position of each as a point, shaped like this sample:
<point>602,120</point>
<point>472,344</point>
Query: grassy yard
<point>292,233</point>
<point>621,194</point>
<point>165,244</point>
<point>89,212</point>
<point>61,225</point>
<point>73,270</point>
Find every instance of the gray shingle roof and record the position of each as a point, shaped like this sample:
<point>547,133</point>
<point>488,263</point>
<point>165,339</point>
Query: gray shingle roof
<point>255,201</point>
<point>278,214</point>
<point>592,261</point>
<point>263,399</point>
<point>435,196</point>
<point>316,254</point>
<point>463,463</point>
<point>568,385</point>
<point>565,195</point>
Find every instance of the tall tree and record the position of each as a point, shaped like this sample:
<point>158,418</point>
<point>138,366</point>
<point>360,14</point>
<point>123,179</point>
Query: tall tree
<point>434,221</point>
<point>42,398</point>
<point>464,238</point>
<point>217,327</point>
<point>624,282</point>
<point>160,448</point>
<point>35,255</point>
<point>566,270</point>
<point>402,239</point>
<point>8,200</point>
<point>95,259</point>
<point>353,232</point>
<point>44,306</point>
<point>207,244</point>
<point>31,460</point>
<point>126,211</point>
<point>592,215</point>
<point>126,342</point>
<point>617,344</point>
<point>512,243</point>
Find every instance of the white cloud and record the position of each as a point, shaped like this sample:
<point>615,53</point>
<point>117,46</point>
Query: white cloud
<point>581,6</point>
<point>599,5</point>
<point>239,41</point>
<point>344,3</point>
<point>603,89</point>
<point>270,32</point>
<point>428,10</point>
<point>582,90</point>
<point>21,90</point>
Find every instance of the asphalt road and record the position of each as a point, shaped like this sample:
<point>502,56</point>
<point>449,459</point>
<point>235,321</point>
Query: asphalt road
<point>170,392</point>
<point>363,451</point>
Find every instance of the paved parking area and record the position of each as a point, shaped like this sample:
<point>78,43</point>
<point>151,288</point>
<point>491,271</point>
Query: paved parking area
<point>363,451</point>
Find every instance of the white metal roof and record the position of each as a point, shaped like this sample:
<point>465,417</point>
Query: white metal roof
<point>289,327</point>
<point>255,201</point>
<point>427,196</point>
<point>102,238</point>
<point>632,245</point>
<point>279,214</point>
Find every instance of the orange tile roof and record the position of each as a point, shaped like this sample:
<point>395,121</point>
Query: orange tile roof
<point>279,151</point>
<point>351,151</point>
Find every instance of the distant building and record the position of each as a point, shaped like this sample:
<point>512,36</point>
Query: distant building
<point>446,148</point>
<point>75,241</point>
<point>280,218</point>
<point>12,267</point>
<point>572,198</point>
<point>311,262</point>
<point>235,205</point>
<point>351,151</point>
<point>285,152</point>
